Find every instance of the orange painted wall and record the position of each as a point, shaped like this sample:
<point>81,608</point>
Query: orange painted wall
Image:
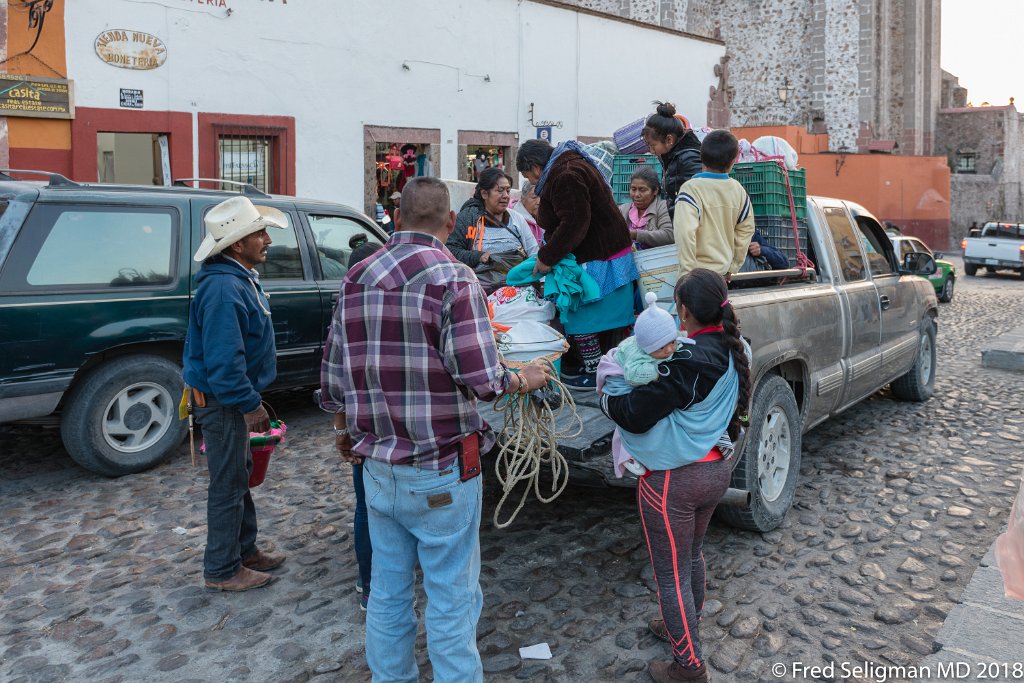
<point>35,141</point>
<point>910,191</point>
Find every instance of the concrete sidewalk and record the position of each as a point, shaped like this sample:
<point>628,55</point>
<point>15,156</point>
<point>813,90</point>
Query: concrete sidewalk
<point>1005,352</point>
<point>984,632</point>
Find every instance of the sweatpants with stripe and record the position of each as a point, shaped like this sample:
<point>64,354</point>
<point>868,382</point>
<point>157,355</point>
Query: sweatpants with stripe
<point>675,509</point>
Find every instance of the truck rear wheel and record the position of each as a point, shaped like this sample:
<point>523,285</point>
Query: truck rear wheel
<point>122,417</point>
<point>769,464</point>
<point>971,269</point>
<point>919,382</point>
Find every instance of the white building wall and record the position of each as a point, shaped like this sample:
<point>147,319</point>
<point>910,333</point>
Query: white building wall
<point>336,65</point>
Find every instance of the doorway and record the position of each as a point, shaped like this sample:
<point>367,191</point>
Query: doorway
<point>133,158</point>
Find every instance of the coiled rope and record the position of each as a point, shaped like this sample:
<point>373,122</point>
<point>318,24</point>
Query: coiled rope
<point>529,443</point>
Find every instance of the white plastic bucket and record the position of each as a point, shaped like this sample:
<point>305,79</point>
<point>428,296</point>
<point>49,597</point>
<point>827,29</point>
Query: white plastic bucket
<point>659,270</point>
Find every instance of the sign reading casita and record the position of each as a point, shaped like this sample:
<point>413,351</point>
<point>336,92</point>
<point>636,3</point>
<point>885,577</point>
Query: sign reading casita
<point>130,49</point>
<point>50,98</point>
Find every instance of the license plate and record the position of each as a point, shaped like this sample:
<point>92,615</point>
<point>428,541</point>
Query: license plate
<point>992,261</point>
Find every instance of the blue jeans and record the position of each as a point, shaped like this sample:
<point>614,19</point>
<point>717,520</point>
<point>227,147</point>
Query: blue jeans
<point>361,531</point>
<point>433,518</point>
<point>230,513</point>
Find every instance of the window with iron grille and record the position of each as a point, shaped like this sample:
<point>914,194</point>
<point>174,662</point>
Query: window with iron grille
<point>246,160</point>
<point>965,162</point>
<point>251,155</point>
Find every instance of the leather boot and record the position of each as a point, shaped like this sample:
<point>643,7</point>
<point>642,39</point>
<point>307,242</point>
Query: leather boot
<point>243,580</point>
<point>263,562</point>
<point>658,628</point>
<point>672,672</point>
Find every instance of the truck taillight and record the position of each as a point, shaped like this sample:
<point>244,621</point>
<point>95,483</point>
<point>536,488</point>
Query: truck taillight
<point>963,243</point>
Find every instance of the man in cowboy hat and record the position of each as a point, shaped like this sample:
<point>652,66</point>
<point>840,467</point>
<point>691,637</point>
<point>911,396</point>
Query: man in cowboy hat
<point>230,357</point>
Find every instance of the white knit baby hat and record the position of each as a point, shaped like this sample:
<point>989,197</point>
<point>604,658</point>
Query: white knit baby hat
<point>655,327</point>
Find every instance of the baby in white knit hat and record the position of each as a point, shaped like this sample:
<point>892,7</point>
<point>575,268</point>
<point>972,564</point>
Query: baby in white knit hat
<point>653,342</point>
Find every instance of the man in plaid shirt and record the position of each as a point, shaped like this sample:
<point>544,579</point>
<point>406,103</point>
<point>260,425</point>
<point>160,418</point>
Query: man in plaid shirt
<point>410,349</point>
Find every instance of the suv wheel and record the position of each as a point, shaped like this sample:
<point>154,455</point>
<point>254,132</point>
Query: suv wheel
<point>123,416</point>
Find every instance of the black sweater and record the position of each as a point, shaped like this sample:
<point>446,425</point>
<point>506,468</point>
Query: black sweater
<point>693,372</point>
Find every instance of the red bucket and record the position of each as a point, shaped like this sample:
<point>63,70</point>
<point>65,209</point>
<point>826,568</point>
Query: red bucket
<point>261,446</point>
<point>260,462</point>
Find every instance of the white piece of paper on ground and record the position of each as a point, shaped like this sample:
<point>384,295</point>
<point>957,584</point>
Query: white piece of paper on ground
<point>539,651</point>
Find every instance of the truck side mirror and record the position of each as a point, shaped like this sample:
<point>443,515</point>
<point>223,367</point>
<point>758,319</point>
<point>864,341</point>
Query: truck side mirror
<point>919,263</point>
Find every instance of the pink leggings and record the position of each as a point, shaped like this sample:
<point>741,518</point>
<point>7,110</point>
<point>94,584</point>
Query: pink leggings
<point>675,509</point>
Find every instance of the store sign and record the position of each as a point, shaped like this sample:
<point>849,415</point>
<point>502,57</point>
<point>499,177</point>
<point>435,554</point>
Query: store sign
<point>48,98</point>
<point>241,164</point>
<point>130,49</point>
<point>131,98</point>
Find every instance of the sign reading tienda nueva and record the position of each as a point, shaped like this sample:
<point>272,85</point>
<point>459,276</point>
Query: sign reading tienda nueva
<point>130,49</point>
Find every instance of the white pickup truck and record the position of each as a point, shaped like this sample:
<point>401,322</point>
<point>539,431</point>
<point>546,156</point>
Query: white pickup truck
<point>1000,246</point>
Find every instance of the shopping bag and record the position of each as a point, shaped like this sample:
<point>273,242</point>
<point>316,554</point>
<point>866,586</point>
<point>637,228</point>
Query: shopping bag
<point>519,304</point>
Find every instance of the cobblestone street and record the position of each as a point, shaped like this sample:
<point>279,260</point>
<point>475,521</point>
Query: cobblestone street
<point>896,504</point>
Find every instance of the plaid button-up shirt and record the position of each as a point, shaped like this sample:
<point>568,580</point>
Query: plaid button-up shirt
<point>409,350</point>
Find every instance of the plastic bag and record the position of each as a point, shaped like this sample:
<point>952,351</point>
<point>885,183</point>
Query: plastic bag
<point>1010,550</point>
<point>512,305</point>
<point>775,147</point>
<point>529,340</point>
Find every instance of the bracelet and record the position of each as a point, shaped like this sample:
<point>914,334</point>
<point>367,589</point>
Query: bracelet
<point>340,431</point>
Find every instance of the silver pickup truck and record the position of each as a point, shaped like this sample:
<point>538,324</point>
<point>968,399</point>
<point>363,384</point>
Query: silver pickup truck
<point>1000,246</point>
<point>860,321</point>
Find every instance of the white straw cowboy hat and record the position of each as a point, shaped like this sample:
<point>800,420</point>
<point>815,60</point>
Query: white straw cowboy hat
<point>233,219</point>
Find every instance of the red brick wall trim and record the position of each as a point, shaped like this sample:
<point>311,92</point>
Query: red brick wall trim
<point>53,160</point>
<point>488,138</point>
<point>280,127</point>
<point>177,125</point>
<point>420,136</point>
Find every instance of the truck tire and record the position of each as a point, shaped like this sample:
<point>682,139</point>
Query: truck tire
<point>122,417</point>
<point>971,269</point>
<point>946,295</point>
<point>919,382</point>
<point>769,464</point>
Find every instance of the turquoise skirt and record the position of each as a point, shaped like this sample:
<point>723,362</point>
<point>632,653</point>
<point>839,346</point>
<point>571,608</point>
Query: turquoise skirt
<point>610,312</point>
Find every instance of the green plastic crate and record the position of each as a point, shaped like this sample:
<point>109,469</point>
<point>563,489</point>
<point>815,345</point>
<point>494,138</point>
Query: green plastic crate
<point>765,182</point>
<point>623,168</point>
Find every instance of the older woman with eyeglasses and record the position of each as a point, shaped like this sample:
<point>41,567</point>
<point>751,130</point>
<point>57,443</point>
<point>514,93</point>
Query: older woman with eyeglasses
<point>488,237</point>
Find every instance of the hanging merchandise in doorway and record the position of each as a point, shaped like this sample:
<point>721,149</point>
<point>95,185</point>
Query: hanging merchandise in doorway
<point>396,164</point>
<point>479,158</point>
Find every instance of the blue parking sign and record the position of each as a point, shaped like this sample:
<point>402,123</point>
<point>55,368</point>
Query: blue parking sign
<point>544,133</point>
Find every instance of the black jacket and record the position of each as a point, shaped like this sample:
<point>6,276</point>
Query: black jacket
<point>681,163</point>
<point>693,372</point>
<point>458,242</point>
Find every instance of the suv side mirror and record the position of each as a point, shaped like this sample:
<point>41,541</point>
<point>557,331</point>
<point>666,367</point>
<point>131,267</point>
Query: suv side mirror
<point>919,263</point>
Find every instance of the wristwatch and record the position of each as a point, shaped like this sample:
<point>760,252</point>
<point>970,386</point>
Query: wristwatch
<point>340,431</point>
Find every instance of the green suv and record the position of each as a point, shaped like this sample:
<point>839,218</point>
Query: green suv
<point>95,282</point>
